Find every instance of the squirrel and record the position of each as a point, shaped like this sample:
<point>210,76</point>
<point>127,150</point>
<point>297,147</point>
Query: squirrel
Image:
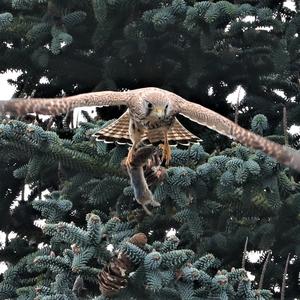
<point>145,161</point>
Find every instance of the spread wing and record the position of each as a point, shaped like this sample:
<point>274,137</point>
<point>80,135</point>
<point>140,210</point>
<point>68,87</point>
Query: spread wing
<point>62,105</point>
<point>224,126</point>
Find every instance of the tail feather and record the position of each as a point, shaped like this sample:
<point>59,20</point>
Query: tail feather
<point>177,134</point>
<point>118,131</point>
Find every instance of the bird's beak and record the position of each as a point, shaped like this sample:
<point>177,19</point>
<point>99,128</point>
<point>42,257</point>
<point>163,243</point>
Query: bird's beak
<point>159,112</point>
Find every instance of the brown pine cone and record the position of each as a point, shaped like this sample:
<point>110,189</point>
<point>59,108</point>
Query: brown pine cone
<point>114,275</point>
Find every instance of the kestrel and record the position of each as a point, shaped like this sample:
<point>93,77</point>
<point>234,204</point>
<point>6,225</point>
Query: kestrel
<point>152,115</point>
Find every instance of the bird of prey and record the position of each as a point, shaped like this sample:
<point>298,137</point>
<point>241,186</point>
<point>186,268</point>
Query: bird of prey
<point>152,114</point>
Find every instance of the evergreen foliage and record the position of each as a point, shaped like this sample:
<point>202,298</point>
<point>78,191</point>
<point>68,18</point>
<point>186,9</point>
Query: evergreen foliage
<point>215,195</point>
<point>76,252</point>
<point>214,202</point>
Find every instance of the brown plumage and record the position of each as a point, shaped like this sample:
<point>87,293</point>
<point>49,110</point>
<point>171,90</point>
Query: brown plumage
<point>118,131</point>
<point>153,108</point>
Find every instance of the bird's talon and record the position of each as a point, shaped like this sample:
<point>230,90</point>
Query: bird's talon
<point>167,154</point>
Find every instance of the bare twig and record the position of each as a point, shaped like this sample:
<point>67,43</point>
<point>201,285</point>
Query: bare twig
<point>285,127</point>
<point>6,239</point>
<point>282,296</point>
<point>68,120</point>
<point>40,190</point>
<point>245,253</point>
<point>23,193</point>
<point>50,122</point>
<point>236,113</point>
<point>261,281</point>
<point>78,286</point>
<point>86,115</point>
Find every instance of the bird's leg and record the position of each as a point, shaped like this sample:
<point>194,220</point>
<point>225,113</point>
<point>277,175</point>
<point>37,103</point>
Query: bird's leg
<point>135,134</point>
<point>130,155</point>
<point>167,152</point>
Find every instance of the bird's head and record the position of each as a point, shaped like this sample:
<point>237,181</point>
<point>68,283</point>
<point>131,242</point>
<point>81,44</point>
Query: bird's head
<point>156,109</point>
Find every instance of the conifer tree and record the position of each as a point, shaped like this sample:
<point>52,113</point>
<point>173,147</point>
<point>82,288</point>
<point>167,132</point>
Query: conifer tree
<point>97,242</point>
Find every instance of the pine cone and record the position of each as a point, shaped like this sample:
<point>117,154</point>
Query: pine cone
<point>114,275</point>
<point>139,239</point>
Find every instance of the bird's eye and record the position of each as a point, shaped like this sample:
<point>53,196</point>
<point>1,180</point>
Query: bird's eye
<point>166,108</point>
<point>150,105</point>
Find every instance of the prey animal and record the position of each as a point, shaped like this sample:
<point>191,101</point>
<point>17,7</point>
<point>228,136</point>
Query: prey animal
<point>142,193</point>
